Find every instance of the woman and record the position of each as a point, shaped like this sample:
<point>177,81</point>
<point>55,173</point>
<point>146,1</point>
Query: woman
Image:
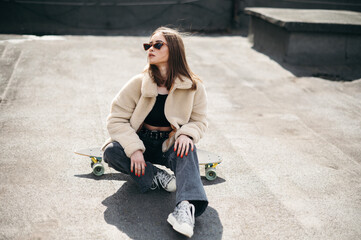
<point>155,119</point>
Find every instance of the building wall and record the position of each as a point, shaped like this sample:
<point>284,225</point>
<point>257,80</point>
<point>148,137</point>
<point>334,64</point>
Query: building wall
<point>111,17</point>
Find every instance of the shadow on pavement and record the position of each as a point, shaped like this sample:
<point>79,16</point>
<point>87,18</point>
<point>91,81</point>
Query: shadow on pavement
<point>107,176</point>
<point>206,182</point>
<point>144,216</point>
<point>123,177</point>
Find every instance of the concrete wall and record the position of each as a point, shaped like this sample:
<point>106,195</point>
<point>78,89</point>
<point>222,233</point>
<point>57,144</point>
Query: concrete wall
<point>111,17</point>
<point>268,38</point>
<point>323,49</point>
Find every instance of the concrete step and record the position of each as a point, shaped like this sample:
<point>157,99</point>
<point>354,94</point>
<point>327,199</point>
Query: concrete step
<point>307,37</point>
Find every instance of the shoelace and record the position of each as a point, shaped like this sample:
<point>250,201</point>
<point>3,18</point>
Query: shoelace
<point>154,184</point>
<point>186,213</point>
<point>164,178</point>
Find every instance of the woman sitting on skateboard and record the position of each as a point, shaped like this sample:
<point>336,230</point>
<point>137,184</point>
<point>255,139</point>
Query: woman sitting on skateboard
<point>155,119</point>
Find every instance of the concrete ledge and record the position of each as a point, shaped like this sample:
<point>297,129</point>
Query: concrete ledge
<point>307,37</point>
<point>310,20</point>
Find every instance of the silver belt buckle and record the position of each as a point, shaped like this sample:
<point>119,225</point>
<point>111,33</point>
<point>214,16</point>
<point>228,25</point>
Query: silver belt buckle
<point>154,134</point>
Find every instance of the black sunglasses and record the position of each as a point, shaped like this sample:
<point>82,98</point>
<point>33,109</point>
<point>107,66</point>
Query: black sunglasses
<point>156,45</point>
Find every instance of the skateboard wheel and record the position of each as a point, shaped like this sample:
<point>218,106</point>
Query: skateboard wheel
<point>211,174</point>
<point>95,161</point>
<point>98,169</point>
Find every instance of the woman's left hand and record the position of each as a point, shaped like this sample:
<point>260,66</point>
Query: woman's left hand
<point>182,145</point>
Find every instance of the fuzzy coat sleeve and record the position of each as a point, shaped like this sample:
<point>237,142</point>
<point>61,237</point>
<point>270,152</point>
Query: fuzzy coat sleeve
<point>118,121</point>
<point>198,123</point>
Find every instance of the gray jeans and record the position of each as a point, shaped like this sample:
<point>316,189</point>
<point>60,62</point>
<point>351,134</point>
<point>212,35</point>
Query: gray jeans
<point>186,170</point>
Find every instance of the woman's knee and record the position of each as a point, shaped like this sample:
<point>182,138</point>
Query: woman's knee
<point>113,151</point>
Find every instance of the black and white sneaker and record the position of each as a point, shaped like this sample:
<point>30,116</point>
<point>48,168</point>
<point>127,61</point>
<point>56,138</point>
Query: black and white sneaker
<point>164,180</point>
<point>182,219</point>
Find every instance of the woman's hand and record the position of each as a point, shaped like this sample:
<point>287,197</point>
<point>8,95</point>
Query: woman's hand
<point>182,145</point>
<point>137,163</point>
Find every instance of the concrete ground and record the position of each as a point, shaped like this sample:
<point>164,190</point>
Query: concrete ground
<point>291,146</point>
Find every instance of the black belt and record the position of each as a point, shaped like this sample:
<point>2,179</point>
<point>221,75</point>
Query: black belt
<point>154,134</point>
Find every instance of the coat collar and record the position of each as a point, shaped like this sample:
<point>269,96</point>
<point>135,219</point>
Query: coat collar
<point>149,87</point>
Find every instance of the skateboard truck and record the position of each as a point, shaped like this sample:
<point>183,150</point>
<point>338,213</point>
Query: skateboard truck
<point>210,170</point>
<point>97,166</point>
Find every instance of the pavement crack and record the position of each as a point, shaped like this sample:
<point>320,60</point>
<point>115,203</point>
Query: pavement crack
<point>9,61</point>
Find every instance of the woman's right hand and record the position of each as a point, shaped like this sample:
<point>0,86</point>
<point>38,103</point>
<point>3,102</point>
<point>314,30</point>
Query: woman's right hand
<point>137,163</point>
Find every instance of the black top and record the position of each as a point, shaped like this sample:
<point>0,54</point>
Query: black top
<point>156,117</point>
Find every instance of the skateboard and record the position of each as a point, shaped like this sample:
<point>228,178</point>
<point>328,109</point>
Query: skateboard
<point>208,159</point>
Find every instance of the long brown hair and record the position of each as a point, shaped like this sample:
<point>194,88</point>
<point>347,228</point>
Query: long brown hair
<point>177,62</point>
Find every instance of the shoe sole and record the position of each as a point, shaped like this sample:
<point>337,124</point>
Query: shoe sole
<point>182,229</point>
<point>169,189</point>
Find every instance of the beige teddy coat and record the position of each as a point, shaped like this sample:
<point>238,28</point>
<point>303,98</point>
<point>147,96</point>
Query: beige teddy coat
<point>185,109</point>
